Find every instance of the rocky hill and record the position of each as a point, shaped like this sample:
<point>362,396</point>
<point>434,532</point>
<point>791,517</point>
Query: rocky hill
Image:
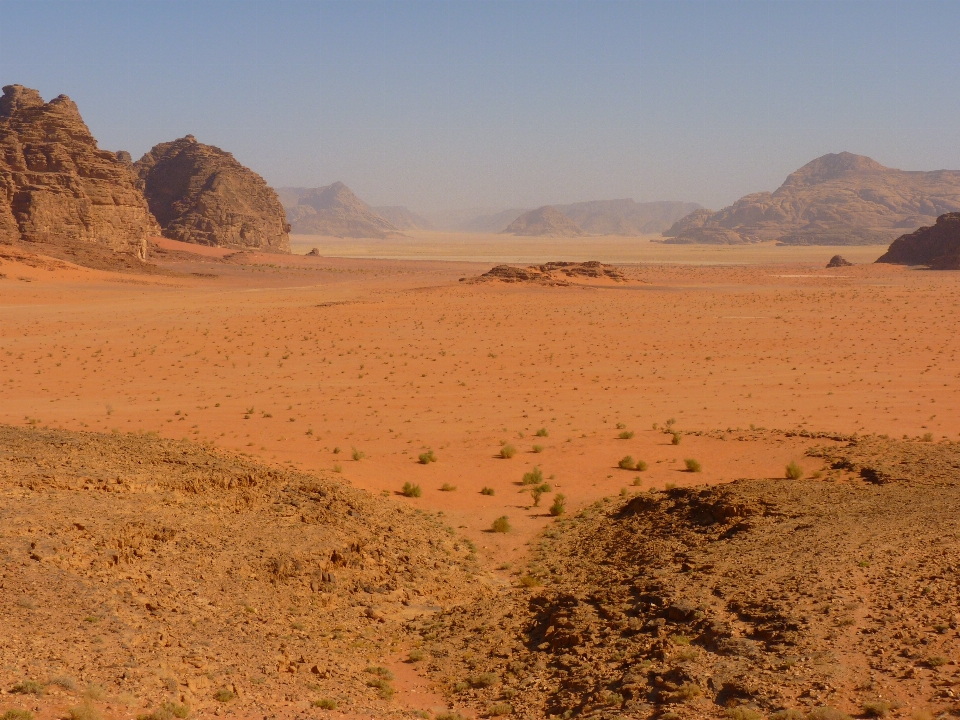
<point>626,217</point>
<point>334,210</point>
<point>58,188</point>
<point>402,217</point>
<point>545,221</point>
<point>202,194</point>
<point>937,246</point>
<point>837,199</point>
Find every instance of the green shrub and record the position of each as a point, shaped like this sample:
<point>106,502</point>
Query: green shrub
<point>538,491</point>
<point>507,451</point>
<point>534,477</point>
<point>487,491</point>
<point>692,465</point>
<point>542,432</point>
<point>325,704</point>
<point>410,490</point>
<point>27,687</point>
<point>559,505</point>
<point>626,435</point>
<point>676,438</point>
<point>794,471</point>
<point>627,463</point>
<point>427,457</point>
<point>501,524</point>
<point>641,465</point>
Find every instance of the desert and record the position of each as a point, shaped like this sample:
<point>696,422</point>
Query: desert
<point>390,360</point>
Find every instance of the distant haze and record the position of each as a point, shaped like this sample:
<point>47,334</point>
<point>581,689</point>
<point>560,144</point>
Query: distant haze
<point>444,106</point>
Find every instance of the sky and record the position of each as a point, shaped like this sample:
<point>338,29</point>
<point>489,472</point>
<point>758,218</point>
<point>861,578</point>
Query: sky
<point>485,104</point>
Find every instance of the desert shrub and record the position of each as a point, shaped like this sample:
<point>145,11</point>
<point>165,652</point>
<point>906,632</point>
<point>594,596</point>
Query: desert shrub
<point>637,480</point>
<point>627,463</point>
<point>416,655</point>
<point>692,465</point>
<point>876,708</point>
<point>538,491</point>
<point>84,712</point>
<point>167,711</point>
<point>95,692</point>
<point>507,451</point>
<point>501,524</point>
<point>325,704</point>
<point>922,715</point>
<point>484,680</point>
<point>223,695</point>
<point>559,505</point>
<point>337,468</point>
<point>459,687</point>
<point>542,432</point>
<point>427,457</point>
<point>641,465</point>
<point>17,714</point>
<point>530,581</point>
<point>336,451</point>
<point>498,709</point>
<point>794,471</point>
<point>676,438</point>
<point>687,691</point>
<point>383,688</point>
<point>825,712</point>
<point>537,448</point>
<point>447,487</point>
<point>380,672</point>
<point>534,477</point>
<point>357,455</point>
<point>927,437</point>
<point>936,661</point>
<point>743,713</point>
<point>788,714</point>
<point>450,715</point>
<point>27,687</point>
<point>64,681</point>
<point>626,435</point>
<point>410,490</point>
<point>487,491</point>
<point>680,639</point>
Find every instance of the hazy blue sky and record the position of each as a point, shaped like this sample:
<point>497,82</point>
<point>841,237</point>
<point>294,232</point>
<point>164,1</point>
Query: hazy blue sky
<point>459,104</point>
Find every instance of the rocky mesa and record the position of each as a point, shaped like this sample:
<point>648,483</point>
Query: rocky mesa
<point>545,221</point>
<point>202,194</point>
<point>57,187</point>
<point>837,199</point>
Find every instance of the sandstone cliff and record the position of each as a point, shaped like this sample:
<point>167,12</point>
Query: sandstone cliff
<point>837,199</point>
<point>334,210</point>
<point>545,221</point>
<point>201,194</point>
<point>57,187</point>
<point>937,246</point>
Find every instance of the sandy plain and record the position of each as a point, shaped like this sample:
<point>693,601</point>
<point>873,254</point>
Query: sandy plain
<point>300,361</point>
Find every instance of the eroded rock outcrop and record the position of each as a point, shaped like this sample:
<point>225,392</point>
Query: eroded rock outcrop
<point>837,199</point>
<point>937,245</point>
<point>335,211</point>
<point>57,187</point>
<point>545,221</point>
<point>202,194</point>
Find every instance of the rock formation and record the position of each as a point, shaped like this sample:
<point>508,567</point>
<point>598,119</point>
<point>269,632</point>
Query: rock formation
<point>552,273</point>
<point>545,221</point>
<point>201,194</point>
<point>837,199</point>
<point>937,246</point>
<point>402,218</point>
<point>838,261</point>
<point>334,210</point>
<point>625,217</point>
<point>57,187</point>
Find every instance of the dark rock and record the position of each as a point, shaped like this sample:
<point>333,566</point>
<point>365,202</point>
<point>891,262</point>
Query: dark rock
<point>937,246</point>
<point>838,261</point>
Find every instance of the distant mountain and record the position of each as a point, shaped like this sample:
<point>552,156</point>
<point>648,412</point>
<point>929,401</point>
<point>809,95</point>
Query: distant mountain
<point>626,217</point>
<point>489,222</point>
<point>402,217</point>
<point>837,199</point>
<point>544,221</point>
<point>333,210</point>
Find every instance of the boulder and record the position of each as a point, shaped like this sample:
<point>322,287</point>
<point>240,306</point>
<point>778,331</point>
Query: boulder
<point>937,245</point>
<point>57,187</point>
<point>838,261</point>
<point>201,194</point>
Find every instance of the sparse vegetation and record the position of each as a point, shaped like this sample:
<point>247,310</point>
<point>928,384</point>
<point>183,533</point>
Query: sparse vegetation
<point>627,463</point>
<point>167,711</point>
<point>447,487</point>
<point>357,455</point>
<point>537,448</point>
<point>325,704</point>
<point>626,435</point>
<point>487,491</point>
<point>530,581</point>
<point>501,524</point>
<point>499,709</point>
<point>537,491</point>
<point>542,432</point>
<point>742,713</point>
<point>788,714</point>
<point>27,687</point>
<point>534,477</point>
<point>794,471</point>
<point>416,655</point>
<point>677,437</point>
<point>17,714</point>
<point>223,695</point>
<point>826,712</point>
<point>484,680</point>
<point>410,490</point>
<point>692,465</point>
<point>641,466</point>
<point>559,505</point>
<point>507,451</point>
<point>876,708</point>
<point>427,457</point>
<point>84,712</point>
<point>936,661</point>
<point>64,681</point>
<point>382,686</point>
